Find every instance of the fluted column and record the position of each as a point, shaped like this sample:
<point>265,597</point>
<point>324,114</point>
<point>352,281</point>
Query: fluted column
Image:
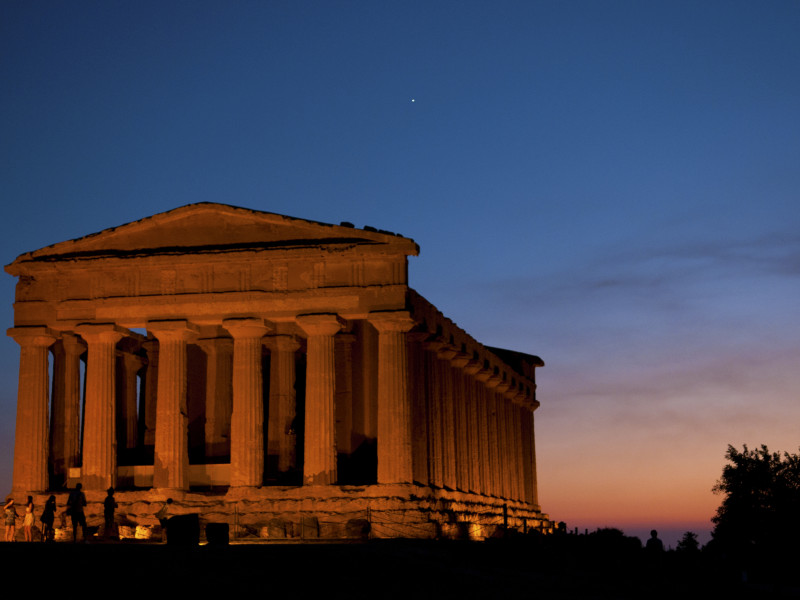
<point>502,444</point>
<point>343,346</point>
<point>394,404</point>
<point>495,465</point>
<point>513,448</point>
<point>129,365</point>
<point>473,433</point>
<point>219,395</point>
<point>319,450</point>
<point>461,421</point>
<point>65,420</point>
<point>483,437</point>
<point>147,421</point>
<point>472,458</point>
<point>30,443</point>
<point>459,427</point>
<point>247,418</point>
<point>519,440</point>
<point>99,467</point>
<point>435,416</point>
<point>281,436</point>
<point>419,406</point>
<point>448,432</point>
<point>171,460</point>
<point>531,488</point>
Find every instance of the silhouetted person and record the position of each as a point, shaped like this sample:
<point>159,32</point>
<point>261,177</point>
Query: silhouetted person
<point>11,519</point>
<point>109,506</point>
<point>75,505</point>
<point>654,545</point>
<point>48,519</point>
<point>27,520</point>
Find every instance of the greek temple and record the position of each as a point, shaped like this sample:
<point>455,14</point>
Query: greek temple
<point>268,369</point>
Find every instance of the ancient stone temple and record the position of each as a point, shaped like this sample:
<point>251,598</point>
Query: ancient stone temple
<point>270,372</point>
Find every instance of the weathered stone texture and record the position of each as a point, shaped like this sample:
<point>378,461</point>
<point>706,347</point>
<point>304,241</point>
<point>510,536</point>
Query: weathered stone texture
<point>270,372</point>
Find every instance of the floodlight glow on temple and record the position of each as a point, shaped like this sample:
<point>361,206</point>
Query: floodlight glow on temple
<point>270,370</point>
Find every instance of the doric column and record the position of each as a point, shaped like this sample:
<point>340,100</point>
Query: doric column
<point>513,451</point>
<point>470,434</point>
<point>448,432</point>
<point>435,416</point>
<point>532,458</point>
<point>461,420</point>
<point>529,456</point>
<point>30,443</point>
<point>495,466</point>
<point>319,449</point>
<point>343,346</point>
<point>394,405</point>
<point>474,443</point>
<point>66,417</point>
<point>219,395</point>
<point>417,356</point>
<point>459,427</point>
<point>483,437</point>
<point>521,454</point>
<point>99,467</point>
<point>281,436</point>
<point>502,444</point>
<point>147,421</point>
<point>247,418</point>
<point>129,365</point>
<point>171,460</point>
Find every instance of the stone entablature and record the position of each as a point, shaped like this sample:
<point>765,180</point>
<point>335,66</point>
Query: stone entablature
<point>273,350</point>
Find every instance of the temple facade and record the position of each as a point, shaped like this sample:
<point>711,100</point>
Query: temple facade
<point>267,371</point>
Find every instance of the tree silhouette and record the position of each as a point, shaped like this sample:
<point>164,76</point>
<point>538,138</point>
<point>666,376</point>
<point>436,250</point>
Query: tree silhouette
<point>688,543</point>
<point>760,514</point>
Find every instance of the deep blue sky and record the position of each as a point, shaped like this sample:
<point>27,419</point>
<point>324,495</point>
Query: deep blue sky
<point>614,186</point>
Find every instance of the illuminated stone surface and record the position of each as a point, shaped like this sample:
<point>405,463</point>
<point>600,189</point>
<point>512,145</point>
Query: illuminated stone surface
<point>269,370</point>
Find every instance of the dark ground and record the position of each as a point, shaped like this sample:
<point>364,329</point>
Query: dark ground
<point>373,569</point>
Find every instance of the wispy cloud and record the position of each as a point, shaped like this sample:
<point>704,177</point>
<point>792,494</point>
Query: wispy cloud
<point>657,271</point>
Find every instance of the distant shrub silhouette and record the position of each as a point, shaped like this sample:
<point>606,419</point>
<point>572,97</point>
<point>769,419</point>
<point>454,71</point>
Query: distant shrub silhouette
<point>688,543</point>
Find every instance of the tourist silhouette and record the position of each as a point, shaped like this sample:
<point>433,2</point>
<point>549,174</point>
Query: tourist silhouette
<point>654,545</point>
<point>75,505</point>
<point>109,506</point>
<point>48,518</point>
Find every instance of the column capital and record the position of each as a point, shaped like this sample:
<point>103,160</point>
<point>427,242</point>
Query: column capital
<point>321,324</point>
<point>418,336</point>
<point>246,328</point>
<point>179,329</point>
<point>493,381</point>
<point>391,320</point>
<point>472,367</point>
<point>460,360</point>
<point>72,344</point>
<point>287,343</point>
<point>133,362</point>
<point>434,344</point>
<point>447,352</point>
<point>101,332</point>
<point>218,344</point>
<point>33,336</point>
<point>150,345</point>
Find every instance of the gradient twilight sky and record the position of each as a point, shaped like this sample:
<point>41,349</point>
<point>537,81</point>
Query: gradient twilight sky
<point>613,186</point>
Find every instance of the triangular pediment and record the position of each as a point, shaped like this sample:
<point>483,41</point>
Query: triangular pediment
<point>214,227</point>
